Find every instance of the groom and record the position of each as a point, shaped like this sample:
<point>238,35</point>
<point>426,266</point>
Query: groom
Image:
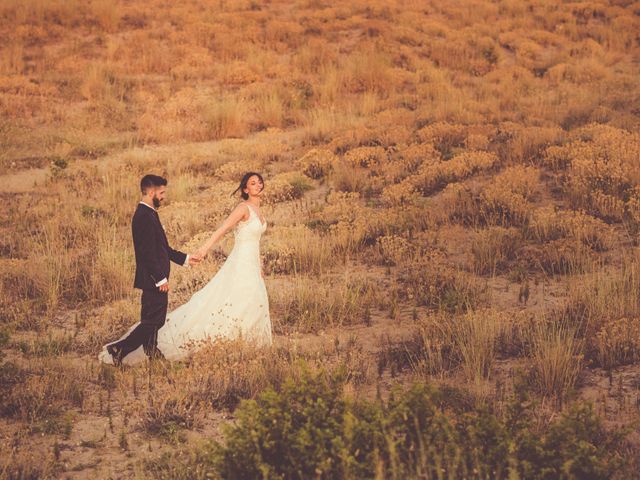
<point>153,256</point>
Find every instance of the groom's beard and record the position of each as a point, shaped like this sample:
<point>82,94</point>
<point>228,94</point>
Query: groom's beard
<point>156,202</point>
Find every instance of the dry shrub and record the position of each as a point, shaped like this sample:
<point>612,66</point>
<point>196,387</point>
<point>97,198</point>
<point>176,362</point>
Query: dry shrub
<point>400,193</point>
<point>350,224</point>
<point>321,124</point>
<point>316,163</point>
<point>440,287</point>
<point>501,206</point>
<point>194,63</point>
<point>609,294</point>
<point>442,342</point>
<point>347,177</point>
<point>506,200</point>
<point>238,73</point>
<point>556,356</point>
<point>54,272</point>
<point>144,51</point>
<point>521,144</point>
<point>224,118</point>
<point>233,171</point>
<point>368,71</point>
<point>82,255</point>
<point>310,305</point>
<point>18,282</point>
<point>396,250</point>
<point>531,48</point>
<point>393,127</point>
<point>315,56</point>
<point>584,71</point>
<point>602,170</point>
<point>503,202</point>
<point>365,170</point>
<point>416,154</point>
<point>434,344</point>
<point>366,157</point>
<point>476,141</point>
<point>600,298</point>
<point>429,352</point>
<point>548,224</point>
<point>107,14</point>
<point>476,336</point>
<point>360,136</point>
<point>459,204</point>
<point>180,396</point>
<point>520,180</point>
<point>242,372</point>
<point>110,274</point>
<point>67,13</point>
<point>48,389</point>
<point>297,249</point>
<point>463,50</point>
<point>617,343</point>
<point>444,136</point>
<point>562,256</point>
<point>102,84</point>
<point>434,177</point>
<point>400,172</point>
<point>195,116</point>
<point>286,186</point>
<point>28,464</point>
<point>165,413</point>
<point>494,250</point>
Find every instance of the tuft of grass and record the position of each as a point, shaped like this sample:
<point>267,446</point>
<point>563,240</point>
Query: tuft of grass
<point>556,357</point>
<point>476,337</point>
<point>312,306</point>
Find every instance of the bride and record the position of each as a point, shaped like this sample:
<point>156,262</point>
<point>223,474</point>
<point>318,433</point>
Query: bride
<point>234,303</point>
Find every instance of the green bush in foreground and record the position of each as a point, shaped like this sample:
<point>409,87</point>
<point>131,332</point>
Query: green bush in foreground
<point>309,431</point>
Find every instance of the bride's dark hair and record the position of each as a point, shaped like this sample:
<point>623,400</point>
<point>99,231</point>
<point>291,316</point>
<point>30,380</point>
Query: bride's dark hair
<point>243,184</point>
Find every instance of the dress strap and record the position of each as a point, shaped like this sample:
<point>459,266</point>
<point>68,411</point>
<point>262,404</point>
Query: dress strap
<point>254,212</point>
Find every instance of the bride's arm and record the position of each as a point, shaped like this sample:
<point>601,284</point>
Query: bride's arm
<point>239,213</point>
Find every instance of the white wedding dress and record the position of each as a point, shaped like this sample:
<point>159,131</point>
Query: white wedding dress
<point>231,305</point>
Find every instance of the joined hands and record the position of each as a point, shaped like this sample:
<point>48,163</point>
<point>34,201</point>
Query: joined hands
<point>195,259</point>
<point>200,254</point>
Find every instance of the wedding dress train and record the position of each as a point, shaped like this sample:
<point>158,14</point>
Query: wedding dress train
<point>232,304</point>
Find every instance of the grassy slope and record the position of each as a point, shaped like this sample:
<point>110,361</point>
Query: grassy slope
<point>422,161</point>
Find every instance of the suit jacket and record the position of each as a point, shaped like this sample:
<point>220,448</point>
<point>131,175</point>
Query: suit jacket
<point>153,253</point>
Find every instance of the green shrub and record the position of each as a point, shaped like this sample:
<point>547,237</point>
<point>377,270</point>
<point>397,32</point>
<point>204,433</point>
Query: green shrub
<point>573,447</point>
<point>293,434</point>
<point>308,430</point>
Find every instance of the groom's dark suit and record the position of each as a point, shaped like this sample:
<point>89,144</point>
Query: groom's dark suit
<point>153,256</point>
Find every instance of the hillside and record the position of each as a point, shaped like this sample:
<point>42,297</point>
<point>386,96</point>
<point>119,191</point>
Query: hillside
<point>452,194</point>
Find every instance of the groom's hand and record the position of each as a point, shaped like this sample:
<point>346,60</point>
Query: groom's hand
<point>194,259</point>
<point>164,288</point>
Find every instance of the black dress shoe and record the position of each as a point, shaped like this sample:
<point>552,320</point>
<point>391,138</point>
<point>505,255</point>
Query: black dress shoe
<point>116,354</point>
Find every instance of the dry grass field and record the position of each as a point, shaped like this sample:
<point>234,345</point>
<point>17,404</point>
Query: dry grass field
<point>452,258</point>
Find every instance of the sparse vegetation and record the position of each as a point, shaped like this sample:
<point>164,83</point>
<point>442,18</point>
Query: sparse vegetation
<point>452,197</point>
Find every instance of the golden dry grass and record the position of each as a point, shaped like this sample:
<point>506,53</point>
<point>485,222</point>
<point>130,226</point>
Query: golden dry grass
<point>452,194</point>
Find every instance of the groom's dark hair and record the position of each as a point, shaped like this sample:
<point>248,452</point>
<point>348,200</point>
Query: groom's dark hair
<point>149,181</point>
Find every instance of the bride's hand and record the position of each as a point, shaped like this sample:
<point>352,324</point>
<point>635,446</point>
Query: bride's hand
<point>201,253</point>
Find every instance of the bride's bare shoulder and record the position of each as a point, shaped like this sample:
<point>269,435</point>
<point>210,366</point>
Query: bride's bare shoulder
<point>241,210</point>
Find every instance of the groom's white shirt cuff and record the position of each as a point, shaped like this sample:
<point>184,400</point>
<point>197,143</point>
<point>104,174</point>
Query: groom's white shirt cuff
<point>164,280</point>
